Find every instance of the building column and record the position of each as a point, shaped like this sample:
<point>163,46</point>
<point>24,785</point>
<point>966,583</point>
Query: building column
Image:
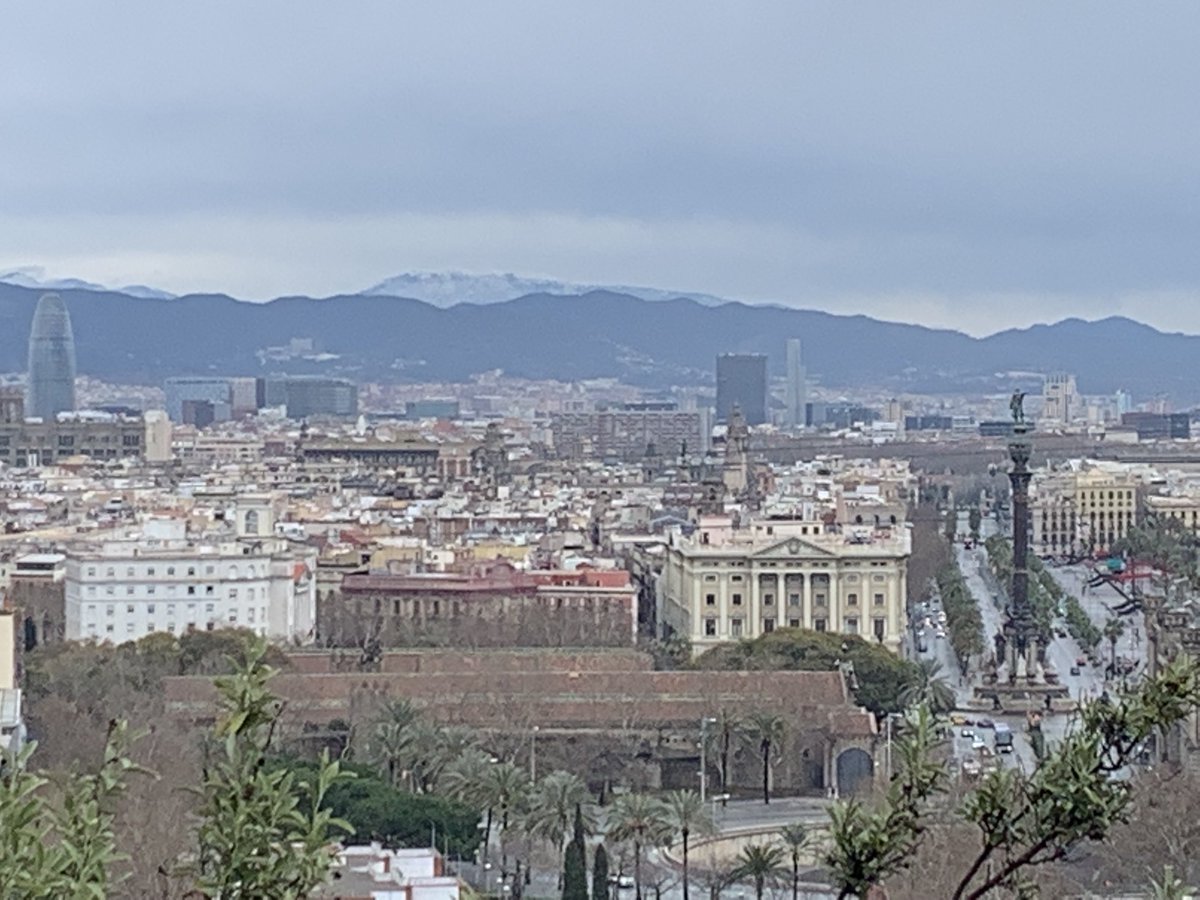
<point>806,599</point>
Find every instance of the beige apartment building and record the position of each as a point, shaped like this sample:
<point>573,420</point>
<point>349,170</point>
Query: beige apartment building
<point>723,583</point>
<point>1082,511</point>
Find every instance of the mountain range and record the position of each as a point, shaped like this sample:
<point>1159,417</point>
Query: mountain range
<point>602,334</point>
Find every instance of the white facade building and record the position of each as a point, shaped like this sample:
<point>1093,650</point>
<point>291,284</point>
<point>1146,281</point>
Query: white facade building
<point>162,582</point>
<point>724,584</point>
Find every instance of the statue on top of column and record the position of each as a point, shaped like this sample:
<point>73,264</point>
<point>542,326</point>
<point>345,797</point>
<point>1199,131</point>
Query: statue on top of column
<point>1017,405</point>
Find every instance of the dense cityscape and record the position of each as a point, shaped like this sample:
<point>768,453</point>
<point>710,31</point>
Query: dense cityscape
<point>726,595</point>
<point>566,451</point>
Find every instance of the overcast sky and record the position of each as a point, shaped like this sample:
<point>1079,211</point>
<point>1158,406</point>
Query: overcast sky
<point>963,164</point>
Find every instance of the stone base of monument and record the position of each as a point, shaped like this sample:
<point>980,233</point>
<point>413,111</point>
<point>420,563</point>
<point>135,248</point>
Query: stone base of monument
<point>1008,697</point>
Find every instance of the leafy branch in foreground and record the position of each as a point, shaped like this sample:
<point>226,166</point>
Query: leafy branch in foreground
<point>256,837</point>
<point>1023,821</point>
<point>64,849</point>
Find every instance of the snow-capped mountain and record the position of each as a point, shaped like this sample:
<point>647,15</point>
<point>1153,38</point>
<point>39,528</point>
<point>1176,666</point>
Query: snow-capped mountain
<point>35,277</point>
<point>449,288</point>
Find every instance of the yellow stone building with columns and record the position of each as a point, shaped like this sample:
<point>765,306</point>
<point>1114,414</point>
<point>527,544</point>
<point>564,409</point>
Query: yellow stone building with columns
<point>724,583</point>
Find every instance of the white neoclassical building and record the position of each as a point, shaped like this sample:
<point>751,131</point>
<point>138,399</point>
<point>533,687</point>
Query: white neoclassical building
<point>163,581</point>
<point>724,583</point>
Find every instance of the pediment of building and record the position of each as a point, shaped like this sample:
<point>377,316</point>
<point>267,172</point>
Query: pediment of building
<point>793,548</point>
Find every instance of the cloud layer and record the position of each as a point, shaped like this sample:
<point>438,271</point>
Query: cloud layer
<point>978,167</point>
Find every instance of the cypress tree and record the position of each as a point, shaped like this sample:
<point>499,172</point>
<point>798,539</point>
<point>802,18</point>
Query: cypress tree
<point>600,875</point>
<point>575,886</point>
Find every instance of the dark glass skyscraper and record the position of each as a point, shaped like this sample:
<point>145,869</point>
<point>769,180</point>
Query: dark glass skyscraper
<point>51,360</point>
<point>742,380</point>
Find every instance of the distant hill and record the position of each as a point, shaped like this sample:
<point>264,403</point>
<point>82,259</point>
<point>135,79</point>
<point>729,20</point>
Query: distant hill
<point>449,288</point>
<point>600,334</point>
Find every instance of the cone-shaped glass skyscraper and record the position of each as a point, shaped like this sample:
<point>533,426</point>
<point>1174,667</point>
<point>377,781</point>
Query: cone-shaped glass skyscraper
<point>51,360</point>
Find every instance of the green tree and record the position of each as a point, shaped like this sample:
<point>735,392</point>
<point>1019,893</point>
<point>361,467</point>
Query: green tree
<point>928,686</point>
<point>1114,629</point>
<point>974,521</point>
<point>505,791</point>
<point>255,839</point>
<point>768,732</point>
<point>686,815</point>
<point>393,740</point>
<point>574,879</point>
<point>63,849</point>
<point>1023,820</point>
<point>879,673</point>
<point>796,838</point>
<point>642,821</point>
<point>600,874</point>
<point>760,863</point>
<point>554,801</point>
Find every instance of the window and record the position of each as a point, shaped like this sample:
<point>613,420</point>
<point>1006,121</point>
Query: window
<point>851,625</point>
<point>129,628</point>
<point>416,608</point>
<point>819,624</point>
<point>710,577</point>
<point>395,609</point>
<point>150,589</point>
<point>250,612</point>
<point>878,577</point>
<point>233,593</point>
<point>208,608</point>
<point>109,609</point>
<point>768,625</point>
<point>879,599</point>
<point>208,570</point>
<point>170,609</point>
<point>208,590</point>
<point>150,608</point>
<point>111,572</point>
<point>170,570</point>
<point>820,599</point>
<point>110,590</point>
<point>91,590</point>
<point>793,599</point>
<point>108,628</point>
<point>852,599</point>
<point>710,627</point>
<point>91,571</point>
<point>793,623</point>
<point>710,599</point>
<point>880,626</point>
<point>150,571</point>
<point>735,627</point>
<point>768,599</point>
<point>129,572</point>
<point>191,570</point>
<point>191,590</point>
<point>129,608</point>
<point>737,599</point>
<point>129,591</point>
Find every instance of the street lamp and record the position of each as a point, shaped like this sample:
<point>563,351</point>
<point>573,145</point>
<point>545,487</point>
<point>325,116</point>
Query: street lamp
<point>704,723</point>
<point>533,755</point>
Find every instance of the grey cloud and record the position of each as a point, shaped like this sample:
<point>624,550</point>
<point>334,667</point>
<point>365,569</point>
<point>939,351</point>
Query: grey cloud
<point>932,149</point>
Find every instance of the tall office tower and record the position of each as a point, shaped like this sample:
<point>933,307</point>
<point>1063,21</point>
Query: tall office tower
<point>742,380</point>
<point>51,386</point>
<point>1060,398</point>
<point>797,385</point>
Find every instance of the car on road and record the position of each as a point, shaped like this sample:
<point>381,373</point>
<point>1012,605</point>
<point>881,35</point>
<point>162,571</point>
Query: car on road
<point>977,743</point>
<point>958,719</point>
<point>624,882</point>
<point>967,733</point>
<point>1074,670</point>
<point>1081,660</point>
<point>941,634</point>
<point>984,723</point>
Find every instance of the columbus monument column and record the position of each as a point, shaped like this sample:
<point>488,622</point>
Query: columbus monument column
<point>1020,631</point>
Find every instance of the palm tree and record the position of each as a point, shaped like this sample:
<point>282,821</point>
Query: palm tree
<point>641,820</point>
<point>552,806</point>
<point>768,731</point>
<point>505,788</point>
<point>795,837</point>
<point>393,739</point>
<point>761,863</point>
<point>928,686</point>
<point>1113,630</point>
<point>686,815</point>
